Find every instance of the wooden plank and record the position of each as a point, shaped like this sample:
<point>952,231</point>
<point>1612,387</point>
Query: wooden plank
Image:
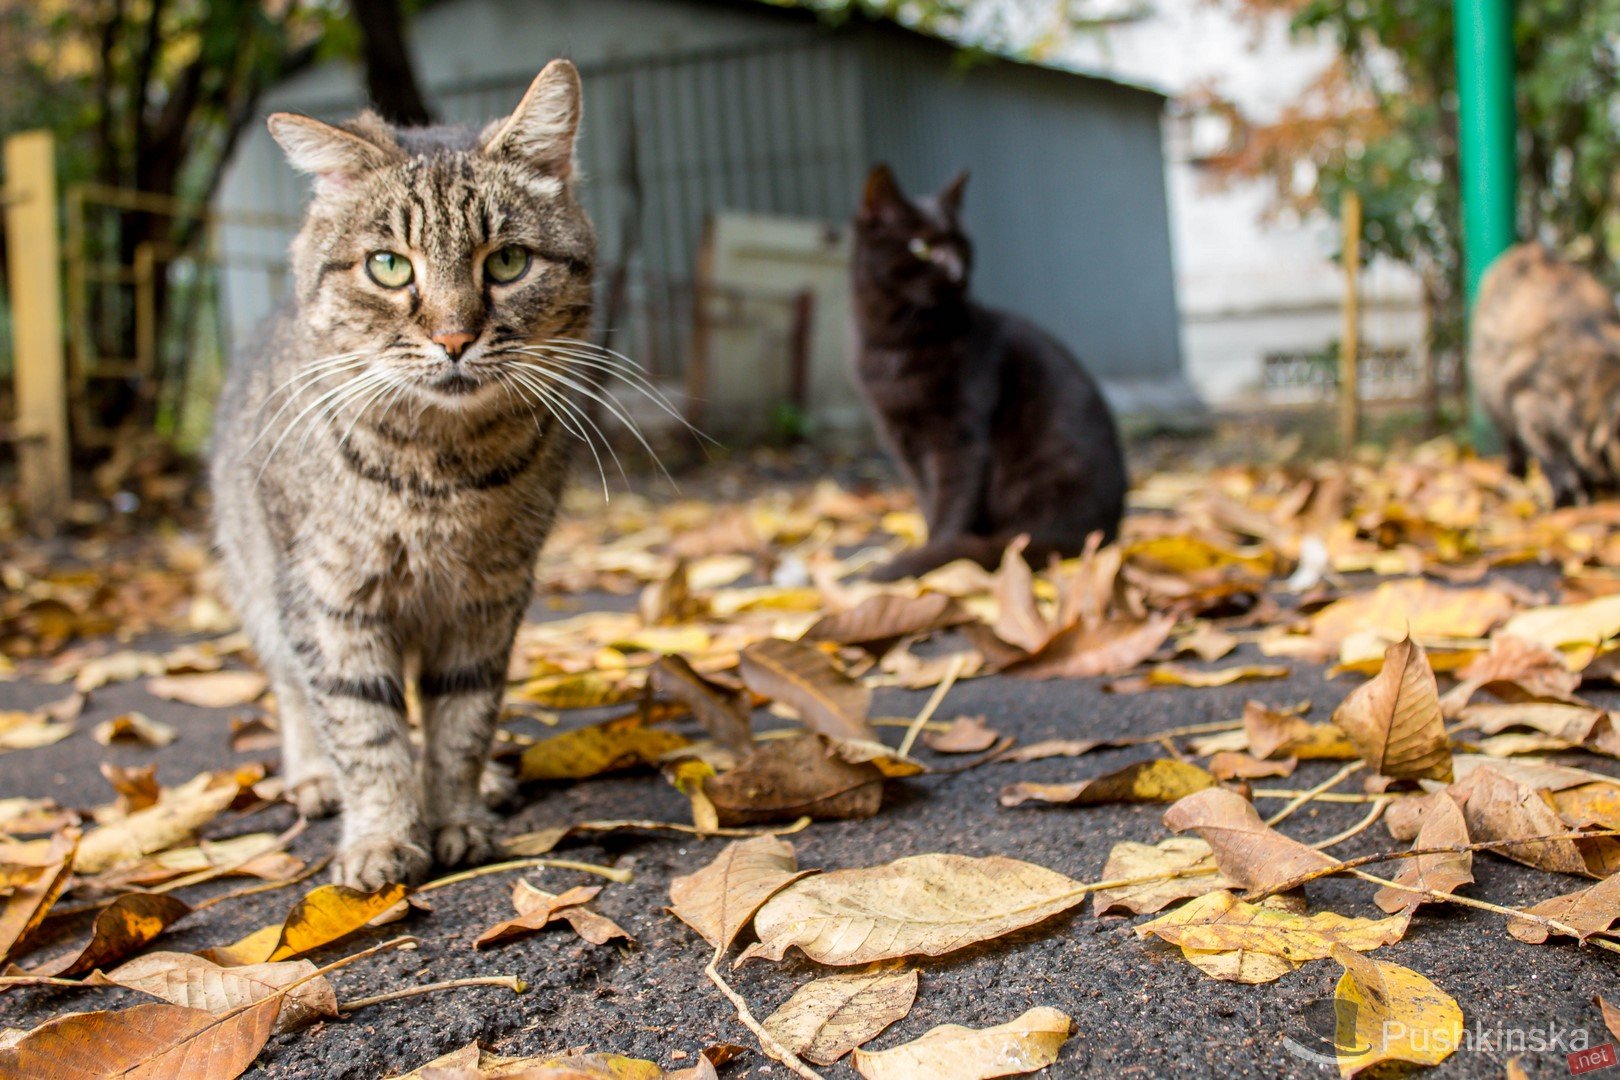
<point>33,269</point>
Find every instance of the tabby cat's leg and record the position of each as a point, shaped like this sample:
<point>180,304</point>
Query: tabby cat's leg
<point>461,685</point>
<point>304,765</point>
<point>353,680</point>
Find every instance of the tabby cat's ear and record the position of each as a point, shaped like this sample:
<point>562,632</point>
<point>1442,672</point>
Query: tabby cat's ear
<point>541,129</point>
<point>330,154</point>
<point>950,196</point>
<point>882,197</point>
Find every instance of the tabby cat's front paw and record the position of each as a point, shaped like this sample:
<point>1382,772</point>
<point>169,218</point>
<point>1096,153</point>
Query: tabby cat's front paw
<point>371,862</point>
<point>469,841</point>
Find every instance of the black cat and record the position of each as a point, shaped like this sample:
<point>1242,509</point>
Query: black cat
<point>995,424</point>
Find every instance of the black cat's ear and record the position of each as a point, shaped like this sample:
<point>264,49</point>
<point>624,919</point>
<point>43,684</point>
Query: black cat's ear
<point>541,130</point>
<point>334,156</point>
<point>882,197</point>
<point>950,196</point>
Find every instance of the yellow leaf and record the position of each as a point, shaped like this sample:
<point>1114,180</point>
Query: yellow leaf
<point>1390,1013</point>
<point>1414,606</point>
<point>1161,780</point>
<point>328,914</point>
<point>622,743</point>
<point>828,1017</point>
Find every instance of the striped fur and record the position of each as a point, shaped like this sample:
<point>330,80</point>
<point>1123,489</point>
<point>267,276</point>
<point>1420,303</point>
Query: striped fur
<point>379,505</point>
<point>1545,357</point>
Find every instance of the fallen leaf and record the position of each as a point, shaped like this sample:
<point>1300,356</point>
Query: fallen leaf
<point>1109,648</point>
<point>1161,780</point>
<point>1272,733</point>
<point>1611,1016</point>
<point>133,727</point>
<point>1019,621</point>
<point>1388,1013</point>
<point>1513,669</point>
<point>123,927</point>
<point>1169,861</point>
<point>951,1051</point>
<point>1247,850</point>
<point>145,1041</point>
<point>196,983</point>
<point>1051,748</point>
<point>827,1018</point>
<point>966,735</point>
<point>253,734</point>
<point>725,714</point>
<point>1414,606</point>
<point>537,908</point>
<point>29,901</point>
<point>622,743</point>
<point>1207,643</point>
<point>803,678</point>
<point>1589,623</point>
<point>921,905</point>
<point>720,899</point>
<point>1394,718</point>
<point>1204,678</point>
<point>1443,826</point>
<point>1235,765</point>
<point>800,777</point>
<point>210,690</point>
<point>1279,941</point>
<point>329,913</point>
<point>169,822</point>
<point>1497,807</point>
<point>30,730</point>
<point>116,667</point>
<point>885,618</point>
<point>1591,910</point>
<point>1578,725</point>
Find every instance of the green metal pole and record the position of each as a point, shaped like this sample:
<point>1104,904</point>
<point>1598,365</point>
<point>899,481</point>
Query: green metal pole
<point>1484,31</point>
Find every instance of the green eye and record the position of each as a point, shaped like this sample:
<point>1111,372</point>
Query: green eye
<point>507,265</point>
<point>920,248</point>
<point>389,269</point>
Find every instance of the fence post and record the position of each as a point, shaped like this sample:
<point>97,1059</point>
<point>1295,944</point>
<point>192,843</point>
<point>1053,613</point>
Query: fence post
<point>33,269</point>
<point>1350,343</point>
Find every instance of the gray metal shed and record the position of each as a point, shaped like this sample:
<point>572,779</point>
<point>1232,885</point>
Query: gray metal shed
<point>739,105</point>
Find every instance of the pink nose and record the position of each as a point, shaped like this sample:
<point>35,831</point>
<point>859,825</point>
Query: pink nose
<point>453,341</point>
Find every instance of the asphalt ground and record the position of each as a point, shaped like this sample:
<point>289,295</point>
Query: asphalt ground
<point>1138,1010</point>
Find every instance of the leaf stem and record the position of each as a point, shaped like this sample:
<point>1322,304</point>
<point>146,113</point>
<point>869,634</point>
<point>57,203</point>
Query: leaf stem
<point>609,872</point>
<point>510,982</point>
<point>1306,796</point>
<point>767,1041</point>
<point>944,687</point>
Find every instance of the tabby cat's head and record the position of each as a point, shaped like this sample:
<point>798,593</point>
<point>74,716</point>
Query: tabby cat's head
<point>915,250</point>
<point>432,256</point>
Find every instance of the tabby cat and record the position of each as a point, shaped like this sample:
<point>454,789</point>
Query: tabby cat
<point>388,461</point>
<point>993,422</point>
<point>1545,359</point>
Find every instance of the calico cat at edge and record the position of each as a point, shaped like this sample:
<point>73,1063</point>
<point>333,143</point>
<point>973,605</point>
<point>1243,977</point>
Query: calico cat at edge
<point>994,423</point>
<point>388,460</point>
<point>1545,358</point>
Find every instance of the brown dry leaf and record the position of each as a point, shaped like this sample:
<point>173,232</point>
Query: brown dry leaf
<point>1513,669</point>
<point>1108,648</point>
<point>1050,748</point>
<point>1611,1016</point>
<point>1591,910</point>
<point>537,908</point>
<point>719,900</point>
<point>1415,606</point>
<point>785,779</point>
<point>827,1018</point>
<point>116,667</point>
<point>28,902</point>
<point>1392,1014</point>
<point>20,817</point>
<point>1587,624</point>
<point>1019,621</point>
<point>805,679</point>
<point>879,621</point>
<point>122,928</point>
<point>1394,718</point>
<point>1497,807</point>
<point>1019,1046</point>
<point>1161,780</point>
<point>136,785</point>
<point>621,743</point>
<point>329,913</point>
<point>1530,772</point>
<point>133,727</point>
<point>252,734</point>
<point>922,905</point>
<point>1578,725</point>
<point>967,735</point>
<point>1207,643</point>
<point>1268,942</point>
<point>1171,860</point>
<point>1273,733</point>
<point>196,983</point>
<point>145,1041</point>
<point>248,855</point>
<point>1236,765</point>
<point>1443,826</point>
<point>725,714</point>
<point>30,730</point>
<point>169,822</point>
<point>1247,850</point>
<point>210,690</point>
<point>1588,805</point>
<point>1203,678</point>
